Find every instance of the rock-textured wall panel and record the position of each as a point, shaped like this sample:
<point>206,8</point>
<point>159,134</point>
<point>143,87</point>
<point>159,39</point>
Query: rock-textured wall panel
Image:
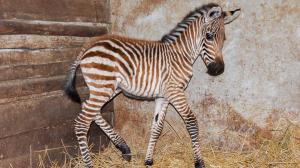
<point>261,83</point>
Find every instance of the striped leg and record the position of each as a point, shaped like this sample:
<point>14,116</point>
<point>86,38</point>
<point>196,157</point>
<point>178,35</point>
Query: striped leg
<point>117,140</point>
<point>90,112</point>
<point>178,100</point>
<point>161,105</point>
<point>82,125</point>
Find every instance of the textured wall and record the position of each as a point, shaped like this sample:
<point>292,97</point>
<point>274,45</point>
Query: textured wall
<point>261,82</point>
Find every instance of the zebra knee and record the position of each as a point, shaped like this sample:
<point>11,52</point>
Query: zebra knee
<point>191,120</point>
<point>81,127</point>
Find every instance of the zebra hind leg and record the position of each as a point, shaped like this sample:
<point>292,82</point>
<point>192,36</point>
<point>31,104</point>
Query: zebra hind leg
<point>116,139</point>
<point>98,97</point>
<point>82,125</point>
<point>90,112</point>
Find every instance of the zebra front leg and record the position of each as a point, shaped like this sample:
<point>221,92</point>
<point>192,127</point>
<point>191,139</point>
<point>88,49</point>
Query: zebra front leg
<point>178,100</point>
<point>117,140</point>
<point>161,105</point>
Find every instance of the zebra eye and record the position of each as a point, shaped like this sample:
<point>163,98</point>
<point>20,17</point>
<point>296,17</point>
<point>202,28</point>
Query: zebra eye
<point>209,36</point>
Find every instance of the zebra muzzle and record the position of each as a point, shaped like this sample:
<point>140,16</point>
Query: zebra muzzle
<point>215,69</point>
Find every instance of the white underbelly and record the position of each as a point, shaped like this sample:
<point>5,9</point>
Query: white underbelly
<point>138,93</point>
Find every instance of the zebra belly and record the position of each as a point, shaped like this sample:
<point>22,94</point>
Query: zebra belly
<point>137,97</point>
<point>135,94</point>
<point>145,93</point>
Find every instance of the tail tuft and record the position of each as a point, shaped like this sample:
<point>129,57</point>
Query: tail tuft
<point>70,86</point>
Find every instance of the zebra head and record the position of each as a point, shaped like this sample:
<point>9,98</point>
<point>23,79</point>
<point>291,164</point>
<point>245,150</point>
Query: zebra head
<point>213,34</point>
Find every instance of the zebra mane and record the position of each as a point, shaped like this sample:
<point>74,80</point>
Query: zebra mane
<point>184,24</point>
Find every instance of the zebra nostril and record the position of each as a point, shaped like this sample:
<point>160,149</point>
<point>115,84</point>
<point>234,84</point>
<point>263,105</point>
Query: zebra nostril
<point>215,69</point>
<point>211,68</point>
<point>221,69</point>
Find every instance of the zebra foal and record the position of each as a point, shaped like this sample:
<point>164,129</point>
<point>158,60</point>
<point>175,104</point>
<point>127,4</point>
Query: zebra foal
<point>158,70</point>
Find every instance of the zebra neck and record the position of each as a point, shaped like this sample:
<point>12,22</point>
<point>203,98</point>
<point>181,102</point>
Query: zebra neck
<point>179,56</point>
<point>189,42</point>
<point>187,48</point>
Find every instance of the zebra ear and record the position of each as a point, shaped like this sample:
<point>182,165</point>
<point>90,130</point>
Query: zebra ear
<point>214,12</point>
<point>230,16</point>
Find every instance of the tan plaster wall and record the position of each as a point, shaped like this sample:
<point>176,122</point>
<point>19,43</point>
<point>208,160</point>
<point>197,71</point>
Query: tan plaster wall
<point>261,82</point>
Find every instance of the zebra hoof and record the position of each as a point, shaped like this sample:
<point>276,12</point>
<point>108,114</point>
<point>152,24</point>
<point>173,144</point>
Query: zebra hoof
<point>199,164</point>
<point>148,162</point>
<point>127,157</point>
<point>126,153</point>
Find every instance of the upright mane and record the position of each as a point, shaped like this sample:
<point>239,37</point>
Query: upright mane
<point>184,24</point>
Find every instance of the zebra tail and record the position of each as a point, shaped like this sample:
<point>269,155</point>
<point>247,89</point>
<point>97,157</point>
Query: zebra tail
<point>70,86</point>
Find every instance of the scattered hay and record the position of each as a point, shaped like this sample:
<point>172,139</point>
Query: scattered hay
<point>281,151</point>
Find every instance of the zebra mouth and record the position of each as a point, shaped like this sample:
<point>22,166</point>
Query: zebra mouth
<point>215,69</point>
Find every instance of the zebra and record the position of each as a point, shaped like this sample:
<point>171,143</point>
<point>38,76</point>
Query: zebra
<point>157,70</point>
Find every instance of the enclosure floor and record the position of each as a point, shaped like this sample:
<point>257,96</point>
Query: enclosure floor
<point>174,151</point>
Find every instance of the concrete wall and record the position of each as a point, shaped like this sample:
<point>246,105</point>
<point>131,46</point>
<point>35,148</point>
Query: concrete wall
<point>261,83</point>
